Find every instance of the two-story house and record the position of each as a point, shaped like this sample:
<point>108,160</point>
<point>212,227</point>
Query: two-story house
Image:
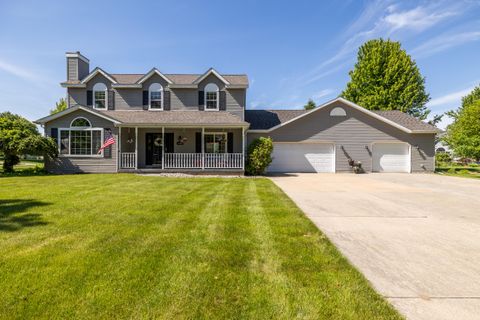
<point>199,122</point>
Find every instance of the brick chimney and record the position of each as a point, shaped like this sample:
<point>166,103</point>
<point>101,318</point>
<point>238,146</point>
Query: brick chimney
<point>78,66</point>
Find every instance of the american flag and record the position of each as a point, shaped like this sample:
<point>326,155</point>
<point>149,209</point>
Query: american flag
<point>109,140</point>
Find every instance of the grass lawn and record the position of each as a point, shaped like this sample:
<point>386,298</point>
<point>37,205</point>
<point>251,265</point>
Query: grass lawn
<point>459,171</point>
<point>128,246</point>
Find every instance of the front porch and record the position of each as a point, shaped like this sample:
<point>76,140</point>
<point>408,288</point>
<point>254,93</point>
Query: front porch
<point>173,149</point>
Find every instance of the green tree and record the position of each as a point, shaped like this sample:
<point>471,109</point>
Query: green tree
<point>471,97</point>
<point>310,105</point>
<point>19,136</point>
<point>385,77</point>
<point>463,135</point>
<point>59,106</point>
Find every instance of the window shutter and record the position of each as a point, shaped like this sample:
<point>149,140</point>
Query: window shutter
<point>223,101</point>
<point>89,98</point>
<point>230,142</point>
<point>107,152</point>
<point>111,100</point>
<point>166,100</point>
<point>201,100</point>
<point>198,142</point>
<point>145,100</point>
<point>54,134</point>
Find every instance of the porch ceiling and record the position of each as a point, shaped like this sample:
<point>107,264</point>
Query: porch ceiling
<point>184,118</point>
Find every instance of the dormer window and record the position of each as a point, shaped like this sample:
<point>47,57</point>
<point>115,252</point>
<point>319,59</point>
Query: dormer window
<point>100,96</point>
<point>155,97</point>
<point>211,97</point>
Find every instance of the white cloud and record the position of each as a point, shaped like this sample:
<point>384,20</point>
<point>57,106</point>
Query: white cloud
<point>418,19</point>
<point>321,94</point>
<point>18,71</point>
<point>453,98</point>
<point>444,42</point>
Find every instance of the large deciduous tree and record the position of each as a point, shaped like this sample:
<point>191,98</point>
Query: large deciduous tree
<point>59,106</point>
<point>385,77</point>
<point>463,135</point>
<point>19,136</point>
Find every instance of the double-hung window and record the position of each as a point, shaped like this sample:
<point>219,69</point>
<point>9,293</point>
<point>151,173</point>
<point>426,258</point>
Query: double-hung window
<point>80,139</point>
<point>155,95</point>
<point>211,97</point>
<point>216,142</point>
<point>100,96</point>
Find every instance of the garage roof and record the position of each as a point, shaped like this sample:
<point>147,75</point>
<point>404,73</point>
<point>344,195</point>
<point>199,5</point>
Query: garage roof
<point>268,120</point>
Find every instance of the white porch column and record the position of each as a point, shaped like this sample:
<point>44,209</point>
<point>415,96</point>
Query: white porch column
<point>163,148</point>
<point>243,148</point>
<point>119,149</point>
<point>136,148</point>
<point>203,148</point>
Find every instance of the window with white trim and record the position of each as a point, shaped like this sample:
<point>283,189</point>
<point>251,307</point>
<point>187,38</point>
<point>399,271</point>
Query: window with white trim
<point>211,96</point>
<point>80,139</point>
<point>215,142</point>
<point>100,96</point>
<point>155,96</point>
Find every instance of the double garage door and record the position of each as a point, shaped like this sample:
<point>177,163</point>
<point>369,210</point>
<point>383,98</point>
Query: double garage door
<point>303,157</point>
<point>320,157</point>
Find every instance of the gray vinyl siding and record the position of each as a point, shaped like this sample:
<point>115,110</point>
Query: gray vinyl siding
<point>83,69</point>
<point>180,99</point>
<point>65,164</point>
<point>357,133</point>
<point>72,69</point>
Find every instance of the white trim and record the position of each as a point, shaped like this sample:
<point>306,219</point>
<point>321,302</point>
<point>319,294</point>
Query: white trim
<point>348,103</point>
<point>127,86</point>
<point>97,90</point>
<point>70,110</point>
<point>73,85</point>
<point>210,71</point>
<point>150,97</point>
<point>392,142</point>
<point>95,72</point>
<point>217,100</point>
<point>80,117</point>
<point>69,155</point>
<point>136,148</point>
<point>216,133</point>
<point>77,55</point>
<point>151,73</point>
<point>180,125</point>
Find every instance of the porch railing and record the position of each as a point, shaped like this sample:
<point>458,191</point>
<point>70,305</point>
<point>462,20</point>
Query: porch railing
<point>183,160</point>
<point>190,160</point>
<point>127,160</point>
<point>223,160</point>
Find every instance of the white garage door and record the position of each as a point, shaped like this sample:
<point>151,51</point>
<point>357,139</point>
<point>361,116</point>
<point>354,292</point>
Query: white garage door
<point>391,157</point>
<point>302,157</point>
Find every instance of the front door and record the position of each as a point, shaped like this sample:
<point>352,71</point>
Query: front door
<point>153,147</point>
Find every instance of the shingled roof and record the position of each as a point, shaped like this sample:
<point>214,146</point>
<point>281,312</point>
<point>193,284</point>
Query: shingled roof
<point>268,119</point>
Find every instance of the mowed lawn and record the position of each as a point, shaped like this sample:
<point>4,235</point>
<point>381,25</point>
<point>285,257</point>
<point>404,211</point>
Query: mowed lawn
<point>129,246</point>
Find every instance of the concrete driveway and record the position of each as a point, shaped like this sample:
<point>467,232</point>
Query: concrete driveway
<point>416,237</point>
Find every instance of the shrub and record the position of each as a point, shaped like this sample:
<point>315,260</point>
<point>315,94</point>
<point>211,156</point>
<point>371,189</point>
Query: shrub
<point>463,171</point>
<point>259,156</point>
<point>442,157</point>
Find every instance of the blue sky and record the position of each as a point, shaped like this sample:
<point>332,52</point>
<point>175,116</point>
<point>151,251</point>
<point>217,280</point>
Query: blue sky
<point>291,51</point>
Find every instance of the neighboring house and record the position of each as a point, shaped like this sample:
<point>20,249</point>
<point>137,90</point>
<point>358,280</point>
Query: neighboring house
<point>199,122</point>
<point>441,146</point>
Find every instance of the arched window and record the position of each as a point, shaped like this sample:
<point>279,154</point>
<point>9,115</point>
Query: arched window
<point>80,122</point>
<point>211,97</point>
<point>100,96</point>
<point>338,112</point>
<point>155,96</point>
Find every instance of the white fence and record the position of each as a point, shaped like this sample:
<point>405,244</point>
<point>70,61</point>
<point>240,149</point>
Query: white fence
<point>127,160</point>
<point>190,160</point>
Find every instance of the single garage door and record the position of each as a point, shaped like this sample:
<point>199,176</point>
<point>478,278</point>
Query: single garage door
<point>391,157</point>
<point>303,157</point>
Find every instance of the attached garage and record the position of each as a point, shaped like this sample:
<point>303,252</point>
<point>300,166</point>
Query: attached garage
<point>303,157</point>
<point>391,157</point>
